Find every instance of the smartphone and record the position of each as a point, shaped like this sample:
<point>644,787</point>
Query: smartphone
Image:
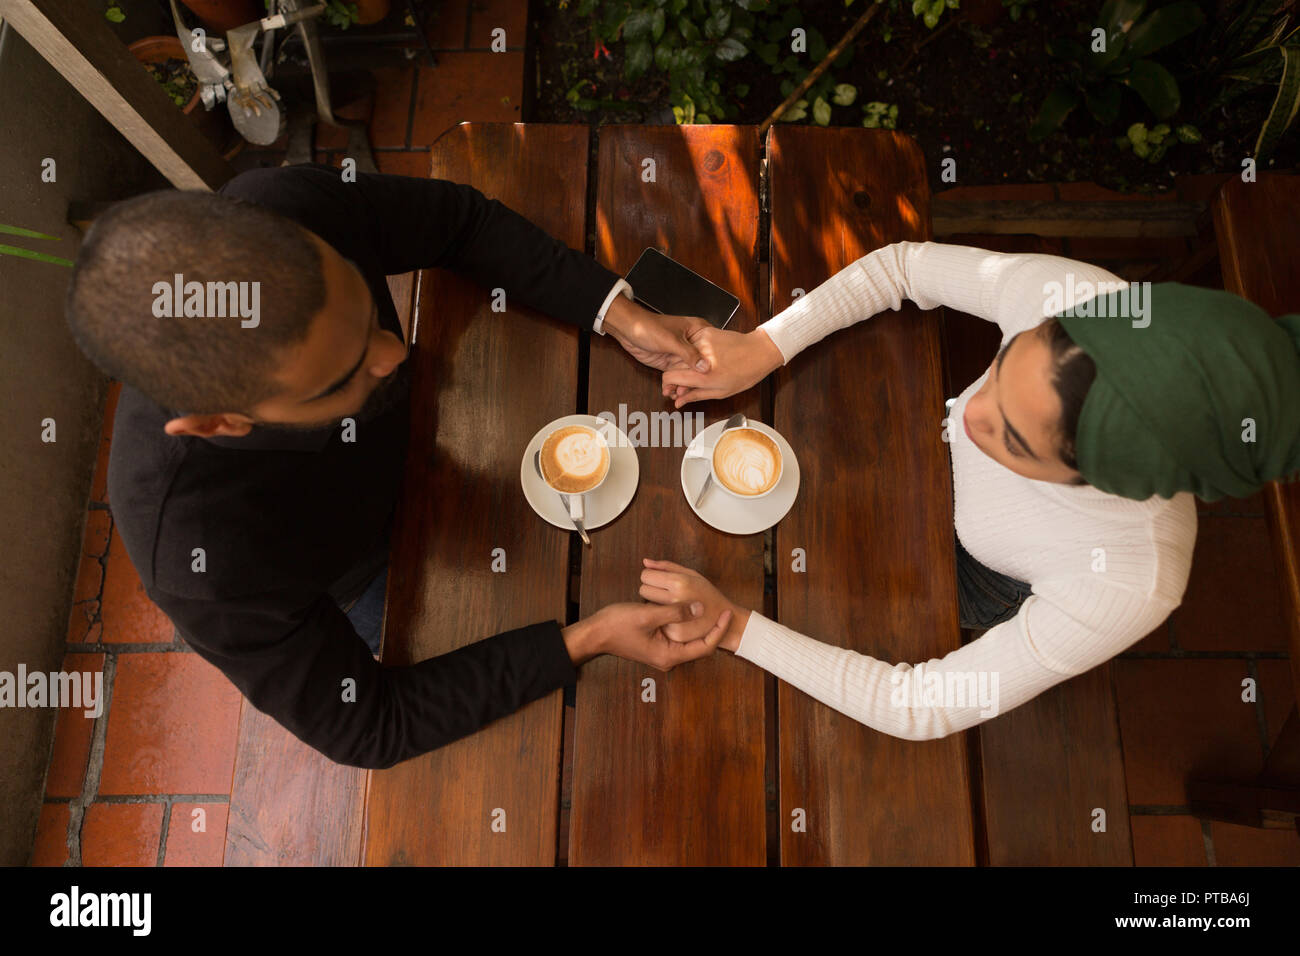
<point>669,288</point>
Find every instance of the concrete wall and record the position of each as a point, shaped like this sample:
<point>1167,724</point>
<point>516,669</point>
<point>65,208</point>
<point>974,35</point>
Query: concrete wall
<point>44,487</point>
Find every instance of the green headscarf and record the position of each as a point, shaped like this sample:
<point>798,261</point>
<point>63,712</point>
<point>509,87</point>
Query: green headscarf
<point>1196,390</point>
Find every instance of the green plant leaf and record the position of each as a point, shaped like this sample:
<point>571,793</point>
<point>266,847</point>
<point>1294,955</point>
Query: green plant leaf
<point>1104,102</point>
<point>730,50</point>
<point>114,14</point>
<point>657,25</point>
<point>638,25</point>
<point>1285,104</point>
<point>639,57</point>
<point>1115,13</point>
<point>1056,107</point>
<point>793,114</point>
<point>821,112</point>
<point>38,256</point>
<point>1163,27</point>
<point>718,24</point>
<point>26,233</point>
<point>1187,133</point>
<point>845,94</point>
<point>817,48</point>
<point>1156,86</point>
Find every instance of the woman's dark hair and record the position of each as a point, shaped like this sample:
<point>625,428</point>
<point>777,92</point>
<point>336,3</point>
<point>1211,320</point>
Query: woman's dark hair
<point>1072,374</point>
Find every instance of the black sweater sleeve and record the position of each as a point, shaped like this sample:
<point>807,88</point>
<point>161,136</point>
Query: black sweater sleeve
<point>319,680</point>
<point>414,223</point>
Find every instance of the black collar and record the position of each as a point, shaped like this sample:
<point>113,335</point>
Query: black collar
<point>269,438</point>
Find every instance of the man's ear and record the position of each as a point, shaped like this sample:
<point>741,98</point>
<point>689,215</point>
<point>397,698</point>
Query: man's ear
<point>230,424</point>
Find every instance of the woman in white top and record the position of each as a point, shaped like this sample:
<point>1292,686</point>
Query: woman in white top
<point>1135,399</point>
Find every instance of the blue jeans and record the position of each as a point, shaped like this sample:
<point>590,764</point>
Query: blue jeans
<point>985,597</point>
<point>367,614</point>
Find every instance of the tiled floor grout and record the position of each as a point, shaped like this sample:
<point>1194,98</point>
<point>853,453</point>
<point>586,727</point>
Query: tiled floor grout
<point>94,767</point>
<point>162,831</point>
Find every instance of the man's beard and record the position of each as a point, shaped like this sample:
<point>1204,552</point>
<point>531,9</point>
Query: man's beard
<point>389,392</point>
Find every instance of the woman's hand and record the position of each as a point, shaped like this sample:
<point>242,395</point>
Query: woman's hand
<point>737,361</point>
<point>666,583</point>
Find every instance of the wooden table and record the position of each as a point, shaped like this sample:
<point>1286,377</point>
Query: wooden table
<point>693,777</point>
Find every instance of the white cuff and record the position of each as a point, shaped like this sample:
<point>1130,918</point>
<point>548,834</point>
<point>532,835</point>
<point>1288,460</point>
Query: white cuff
<point>620,286</point>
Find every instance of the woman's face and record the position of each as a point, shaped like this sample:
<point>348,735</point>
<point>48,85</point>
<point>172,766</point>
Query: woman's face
<point>1015,417</point>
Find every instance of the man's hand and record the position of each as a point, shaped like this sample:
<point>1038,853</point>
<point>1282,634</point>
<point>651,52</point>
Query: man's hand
<point>660,341</point>
<point>635,632</point>
<point>663,582</point>
<point>737,361</point>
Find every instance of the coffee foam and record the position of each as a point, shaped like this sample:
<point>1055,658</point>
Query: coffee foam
<point>574,459</point>
<point>746,461</point>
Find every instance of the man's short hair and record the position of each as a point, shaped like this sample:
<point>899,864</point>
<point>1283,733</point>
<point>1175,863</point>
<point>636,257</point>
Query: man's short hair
<point>193,364</point>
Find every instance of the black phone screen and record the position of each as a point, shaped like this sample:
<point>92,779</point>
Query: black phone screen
<point>669,288</point>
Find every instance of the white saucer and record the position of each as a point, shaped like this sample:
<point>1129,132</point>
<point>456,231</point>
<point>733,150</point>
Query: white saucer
<point>602,505</point>
<point>729,513</point>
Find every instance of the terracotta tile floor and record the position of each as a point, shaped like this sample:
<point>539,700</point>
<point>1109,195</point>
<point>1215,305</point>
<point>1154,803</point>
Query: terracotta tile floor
<point>149,781</point>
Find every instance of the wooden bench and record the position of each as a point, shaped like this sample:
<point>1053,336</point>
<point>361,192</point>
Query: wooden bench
<point>1257,226</point>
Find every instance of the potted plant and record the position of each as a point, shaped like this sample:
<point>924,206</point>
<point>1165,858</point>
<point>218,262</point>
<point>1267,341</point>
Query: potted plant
<point>164,58</point>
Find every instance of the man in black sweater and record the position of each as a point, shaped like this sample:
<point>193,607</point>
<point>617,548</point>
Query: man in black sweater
<point>251,522</point>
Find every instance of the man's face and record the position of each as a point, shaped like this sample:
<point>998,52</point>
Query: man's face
<point>346,367</point>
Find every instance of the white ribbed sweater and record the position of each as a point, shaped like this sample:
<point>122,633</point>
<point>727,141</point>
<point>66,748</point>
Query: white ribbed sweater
<point>1044,533</point>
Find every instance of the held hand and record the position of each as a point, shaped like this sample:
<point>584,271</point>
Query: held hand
<point>635,632</point>
<point>663,582</point>
<point>660,341</point>
<point>737,360</point>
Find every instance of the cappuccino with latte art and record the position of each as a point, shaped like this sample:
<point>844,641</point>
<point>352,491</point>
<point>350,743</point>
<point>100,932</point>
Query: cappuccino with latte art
<point>746,462</point>
<point>574,459</point>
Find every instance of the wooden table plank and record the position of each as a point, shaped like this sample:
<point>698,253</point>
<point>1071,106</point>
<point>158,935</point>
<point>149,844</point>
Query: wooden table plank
<point>290,805</point>
<point>874,513</point>
<point>483,383</point>
<point>1047,766</point>
<point>680,780</point>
